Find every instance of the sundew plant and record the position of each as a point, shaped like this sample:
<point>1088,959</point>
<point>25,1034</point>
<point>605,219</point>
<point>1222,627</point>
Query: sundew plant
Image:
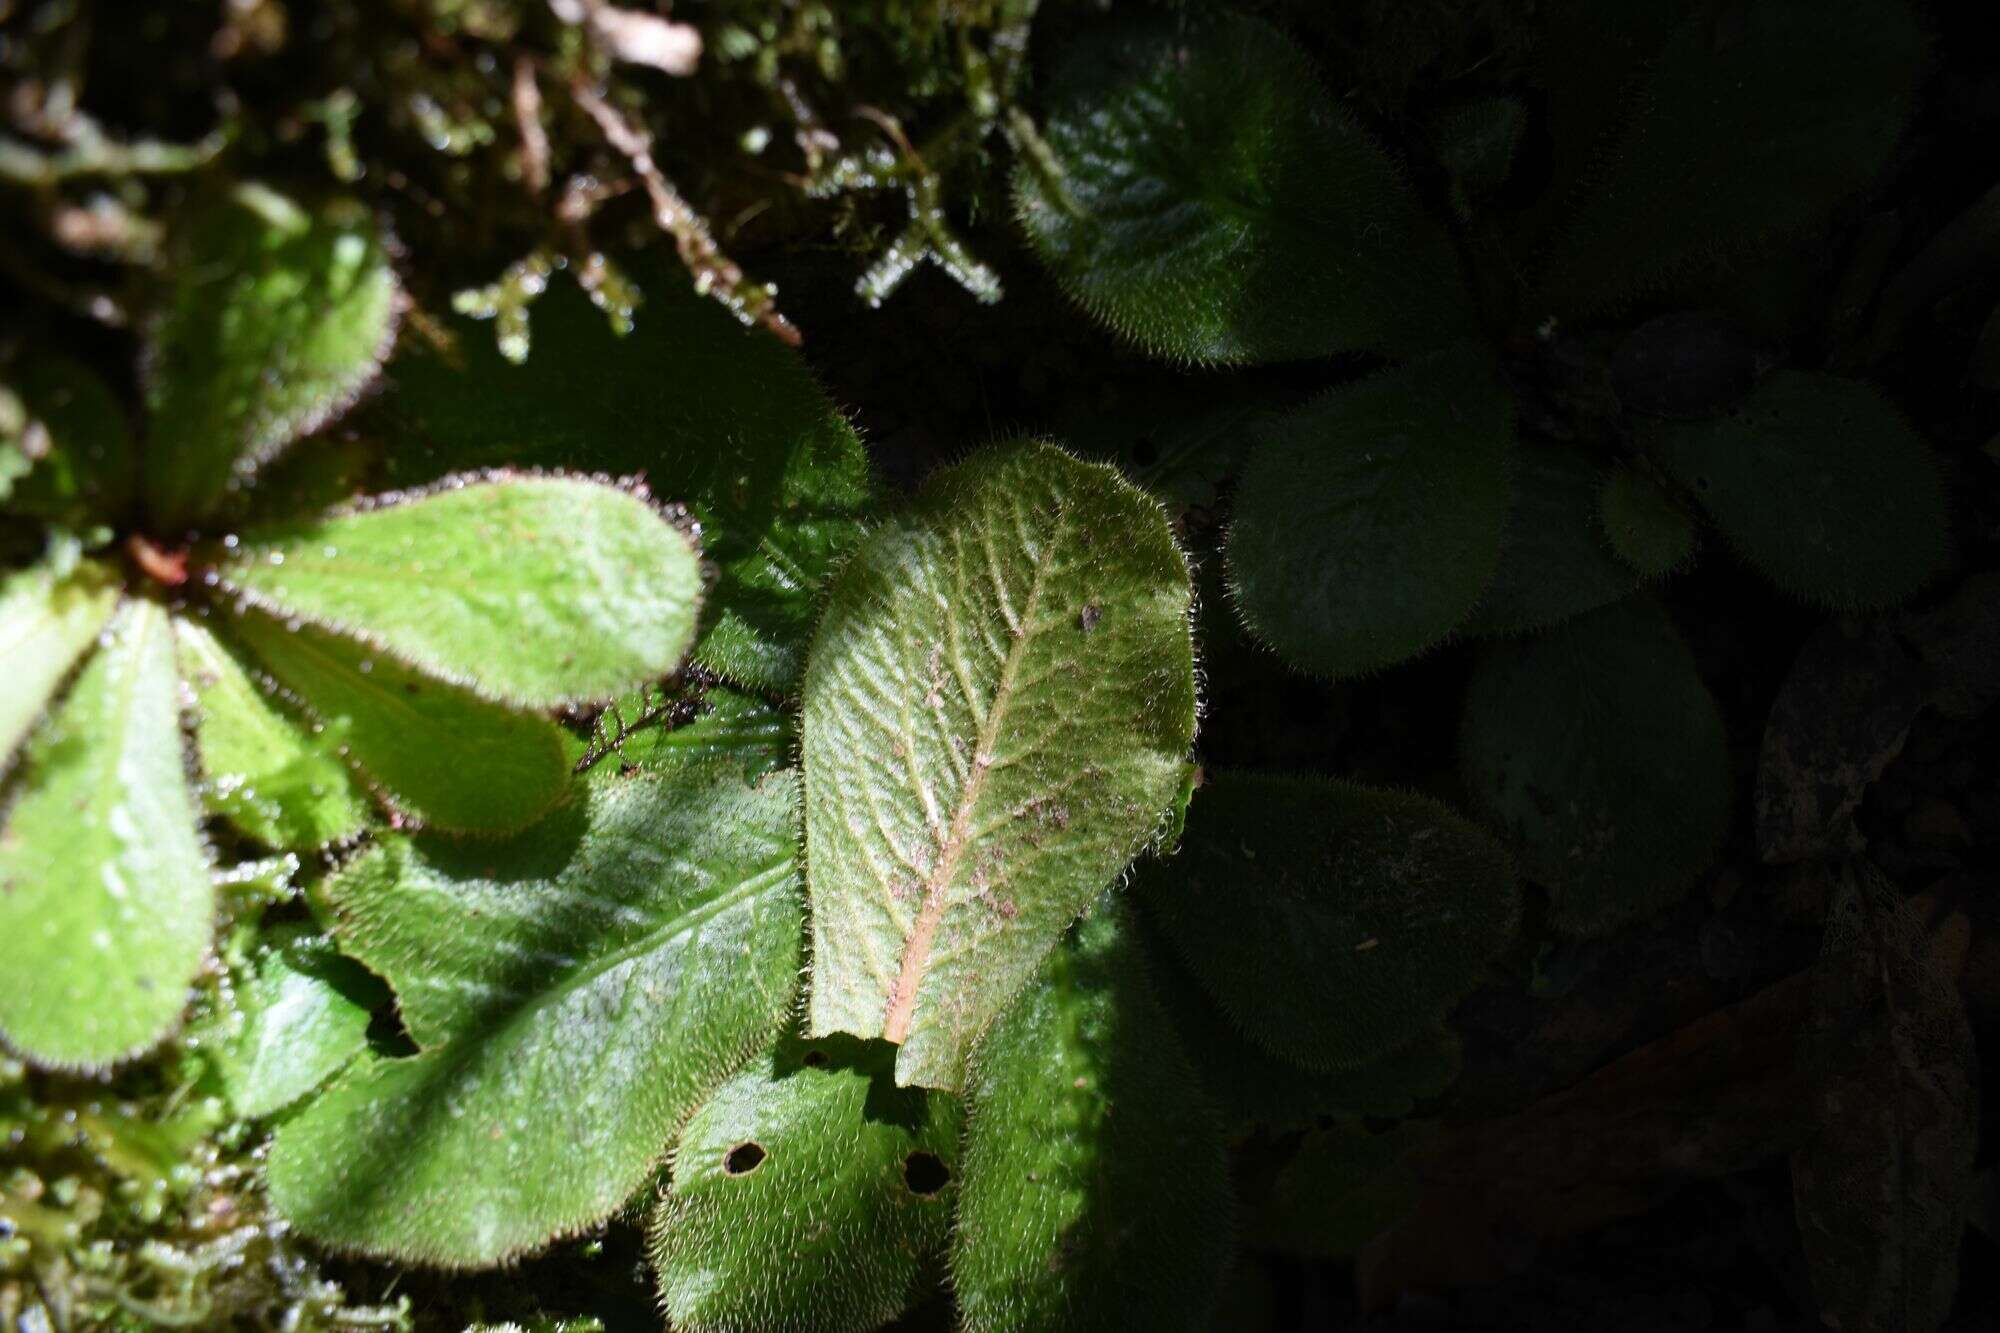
<point>771,666</point>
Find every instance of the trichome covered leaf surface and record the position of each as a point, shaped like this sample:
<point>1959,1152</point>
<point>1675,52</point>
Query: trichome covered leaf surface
<point>585,984</point>
<point>998,710</point>
<point>1215,205</point>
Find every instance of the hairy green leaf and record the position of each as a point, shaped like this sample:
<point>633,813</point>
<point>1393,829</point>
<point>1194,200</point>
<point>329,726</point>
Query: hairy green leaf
<point>434,752</point>
<point>46,624</point>
<point>1821,485</point>
<point>1600,753</point>
<point>264,768</point>
<point>721,418</point>
<point>533,590</point>
<point>810,1195</point>
<point>299,1013</point>
<point>1367,529</point>
<point>276,319</point>
<point>576,991</point>
<point>998,711</point>
<point>105,896</point>
<point>1781,113</point>
<point>1210,202</point>
<point>85,469</point>
<point>1554,560</point>
<point>1095,1188</point>
<point>1333,923</point>
<point>1647,527</point>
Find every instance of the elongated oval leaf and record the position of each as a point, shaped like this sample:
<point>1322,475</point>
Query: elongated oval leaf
<point>775,474</point>
<point>1095,1190</point>
<point>576,991</point>
<point>46,623</point>
<point>998,709</point>
<point>1207,200</point>
<point>1598,750</point>
<point>1555,561</point>
<point>1779,115</point>
<point>808,1196</point>
<point>536,591</point>
<point>435,753</point>
<point>1819,483</point>
<point>105,898</point>
<point>86,471</point>
<point>1368,527</point>
<point>276,320</point>
<point>1333,923</point>
<point>266,770</point>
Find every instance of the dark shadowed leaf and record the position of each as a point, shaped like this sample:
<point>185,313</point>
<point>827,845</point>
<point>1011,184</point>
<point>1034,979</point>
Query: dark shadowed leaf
<point>1215,205</point>
<point>1333,923</point>
<point>1344,1186</point>
<point>1599,752</point>
<point>1555,561</point>
<point>1821,485</point>
<point>1650,529</point>
<point>1369,522</point>
<point>1779,109</point>
<point>998,712</point>
<point>575,993</point>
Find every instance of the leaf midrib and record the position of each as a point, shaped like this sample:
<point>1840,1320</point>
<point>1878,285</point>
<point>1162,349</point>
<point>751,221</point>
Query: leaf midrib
<point>651,941</point>
<point>923,930</point>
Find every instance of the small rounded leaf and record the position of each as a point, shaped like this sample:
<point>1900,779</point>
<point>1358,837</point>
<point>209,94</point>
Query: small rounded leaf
<point>1821,485</point>
<point>809,1195</point>
<point>1554,561</point>
<point>1333,923</point>
<point>1647,527</point>
<point>1205,197</point>
<point>1598,750</point>
<point>1370,522</point>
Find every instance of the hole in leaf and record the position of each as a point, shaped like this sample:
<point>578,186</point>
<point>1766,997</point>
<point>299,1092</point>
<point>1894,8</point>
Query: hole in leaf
<point>813,1059</point>
<point>743,1159</point>
<point>925,1173</point>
